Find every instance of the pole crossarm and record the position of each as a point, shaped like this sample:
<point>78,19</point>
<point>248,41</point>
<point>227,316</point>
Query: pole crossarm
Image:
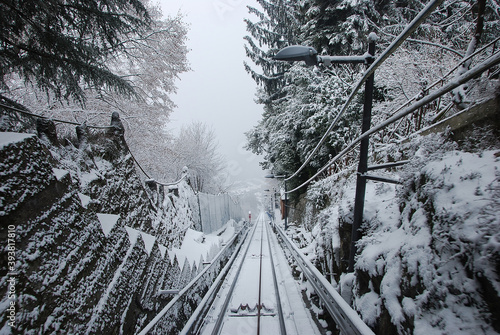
<point>414,24</point>
<point>475,71</point>
<point>382,179</point>
<point>328,60</point>
<point>387,166</point>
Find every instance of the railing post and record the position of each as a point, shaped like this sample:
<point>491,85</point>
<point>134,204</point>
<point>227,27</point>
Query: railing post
<point>286,207</point>
<point>46,129</point>
<point>359,200</point>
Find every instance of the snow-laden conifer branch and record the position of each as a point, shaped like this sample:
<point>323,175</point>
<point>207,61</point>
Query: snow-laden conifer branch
<point>416,22</point>
<point>444,47</point>
<point>475,71</point>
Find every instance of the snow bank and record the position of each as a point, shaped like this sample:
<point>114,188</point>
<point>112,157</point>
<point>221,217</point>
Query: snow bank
<point>8,138</point>
<point>108,221</point>
<point>428,263</point>
<point>198,246</point>
<point>430,249</point>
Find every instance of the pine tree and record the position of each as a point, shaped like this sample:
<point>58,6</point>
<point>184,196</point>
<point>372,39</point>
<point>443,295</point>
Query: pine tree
<point>151,60</point>
<point>273,30</point>
<point>60,46</point>
<point>300,102</point>
<point>172,274</point>
<point>185,276</point>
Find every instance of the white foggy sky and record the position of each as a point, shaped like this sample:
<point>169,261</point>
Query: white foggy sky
<point>218,91</point>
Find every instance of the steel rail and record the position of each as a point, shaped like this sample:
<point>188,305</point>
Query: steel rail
<point>412,26</point>
<point>220,318</point>
<point>275,282</point>
<point>259,303</point>
<point>346,318</point>
<point>194,323</point>
<point>183,291</point>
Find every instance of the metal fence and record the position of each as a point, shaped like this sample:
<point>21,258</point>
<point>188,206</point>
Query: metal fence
<point>217,210</point>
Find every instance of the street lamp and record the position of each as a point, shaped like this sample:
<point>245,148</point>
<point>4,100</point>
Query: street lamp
<point>310,56</point>
<point>298,53</point>
<point>286,197</point>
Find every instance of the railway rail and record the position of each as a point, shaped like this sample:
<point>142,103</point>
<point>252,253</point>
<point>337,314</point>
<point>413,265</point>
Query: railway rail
<point>259,295</point>
<point>256,293</point>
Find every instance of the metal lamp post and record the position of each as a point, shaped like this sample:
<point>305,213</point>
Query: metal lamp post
<point>286,197</point>
<point>310,56</point>
<point>272,203</point>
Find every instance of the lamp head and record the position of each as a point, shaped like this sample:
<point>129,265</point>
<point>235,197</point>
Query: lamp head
<point>298,53</point>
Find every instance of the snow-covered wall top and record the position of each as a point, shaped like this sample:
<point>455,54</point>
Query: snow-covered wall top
<point>430,253</point>
<point>87,242</point>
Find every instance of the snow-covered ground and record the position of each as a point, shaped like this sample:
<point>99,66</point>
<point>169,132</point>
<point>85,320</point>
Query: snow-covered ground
<point>428,260</point>
<point>198,247</point>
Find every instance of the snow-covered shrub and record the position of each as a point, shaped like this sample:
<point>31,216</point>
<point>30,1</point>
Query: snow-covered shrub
<point>430,266</point>
<point>430,253</point>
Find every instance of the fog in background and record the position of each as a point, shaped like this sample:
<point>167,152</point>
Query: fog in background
<point>218,91</point>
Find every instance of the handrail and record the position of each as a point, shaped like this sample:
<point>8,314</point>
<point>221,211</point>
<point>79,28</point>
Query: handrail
<point>414,24</point>
<point>184,290</point>
<point>475,71</point>
<point>275,283</point>
<point>94,127</point>
<point>346,318</point>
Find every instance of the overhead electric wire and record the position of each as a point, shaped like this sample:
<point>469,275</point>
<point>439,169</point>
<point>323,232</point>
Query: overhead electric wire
<point>414,24</point>
<point>475,71</point>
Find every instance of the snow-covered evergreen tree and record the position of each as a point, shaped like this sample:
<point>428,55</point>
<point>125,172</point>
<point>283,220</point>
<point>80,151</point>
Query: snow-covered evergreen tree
<point>274,29</point>
<point>299,106</point>
<point>58,46</point>
<point>185,276</point>
<point>150,60</point>
<point>300,103</point>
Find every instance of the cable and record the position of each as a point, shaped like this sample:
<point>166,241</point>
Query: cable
<point>94,127</point>
<point>475,71</point>
<point>414,24</point>
<point>48,118</point>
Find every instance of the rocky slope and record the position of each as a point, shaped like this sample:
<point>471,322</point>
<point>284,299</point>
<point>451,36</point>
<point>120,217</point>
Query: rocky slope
<point>88,242</point>
<point>429,258</point>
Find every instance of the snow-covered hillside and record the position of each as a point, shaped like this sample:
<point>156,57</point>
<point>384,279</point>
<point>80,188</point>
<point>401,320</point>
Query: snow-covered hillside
<point>430,254</point>
<point>90,243</point>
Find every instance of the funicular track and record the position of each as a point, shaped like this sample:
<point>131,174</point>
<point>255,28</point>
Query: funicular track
<point>255,292</point>
<point>260,296</point>
<point>252,302</point>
